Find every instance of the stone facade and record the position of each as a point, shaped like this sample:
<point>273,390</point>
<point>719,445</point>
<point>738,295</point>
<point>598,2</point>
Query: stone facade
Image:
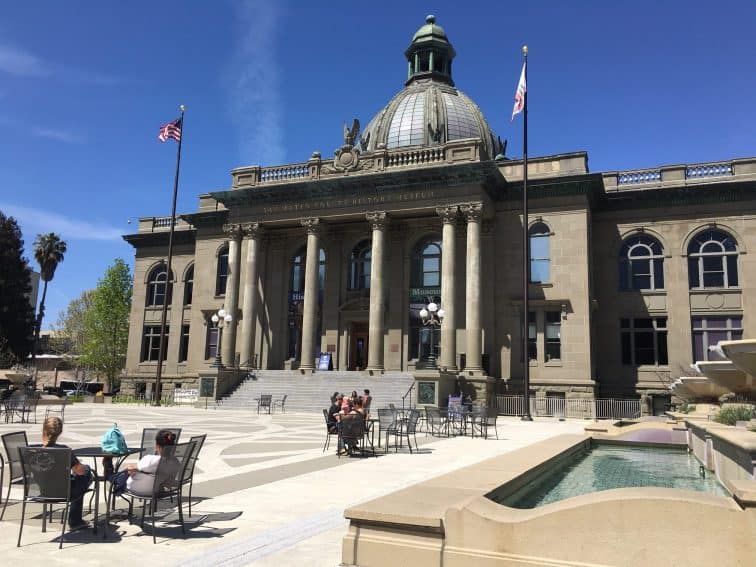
<point>332,249</point>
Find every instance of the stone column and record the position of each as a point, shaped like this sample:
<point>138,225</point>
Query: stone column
<point>473,212</point>
<point>249,306</point>
<point>231,303</point>
<point>307,356</point>
<point>448,215</point>
<point>378,222</point>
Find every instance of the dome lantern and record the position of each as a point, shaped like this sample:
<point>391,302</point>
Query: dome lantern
<point>430,54</point>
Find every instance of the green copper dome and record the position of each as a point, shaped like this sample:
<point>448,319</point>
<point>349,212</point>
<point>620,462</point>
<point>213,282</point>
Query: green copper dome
<point>430,29</point>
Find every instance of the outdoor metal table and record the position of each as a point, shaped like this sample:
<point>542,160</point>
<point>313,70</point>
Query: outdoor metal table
<point>370,424</point>
<point>96,453</point>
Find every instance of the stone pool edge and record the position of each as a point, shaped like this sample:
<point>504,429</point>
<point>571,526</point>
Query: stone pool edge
<point>448,521</point>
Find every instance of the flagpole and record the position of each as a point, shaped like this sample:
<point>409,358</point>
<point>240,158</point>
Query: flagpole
<point>168,285</point>
<point>525,247</point>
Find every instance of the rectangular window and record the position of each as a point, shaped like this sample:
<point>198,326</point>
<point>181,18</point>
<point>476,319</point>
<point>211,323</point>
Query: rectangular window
<point>644,341</point>
<point>532,337</point>
<point>553,336</point>
<point>708,331</point>
<point>151,343</point>
<point>184,344</point>
<point>211,345</point>
<point>539,259</point>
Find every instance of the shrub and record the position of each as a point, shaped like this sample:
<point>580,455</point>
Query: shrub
<point>732,414</point>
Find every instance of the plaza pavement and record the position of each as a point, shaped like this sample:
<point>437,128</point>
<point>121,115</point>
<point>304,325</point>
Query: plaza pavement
<point>265,493</point>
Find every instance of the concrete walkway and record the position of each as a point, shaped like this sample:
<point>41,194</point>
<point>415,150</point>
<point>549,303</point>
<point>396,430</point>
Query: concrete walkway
<point>266,494</point>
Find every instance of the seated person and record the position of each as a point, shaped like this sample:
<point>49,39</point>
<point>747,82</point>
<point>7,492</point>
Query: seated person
<point>140,478</point>
<point>345,446</point>
<point>333,414</point>
<point>81,475</point>
<point>346,403</point>
<point>358,407</point>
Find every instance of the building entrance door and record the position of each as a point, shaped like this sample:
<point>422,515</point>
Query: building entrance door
<point>358,348</point>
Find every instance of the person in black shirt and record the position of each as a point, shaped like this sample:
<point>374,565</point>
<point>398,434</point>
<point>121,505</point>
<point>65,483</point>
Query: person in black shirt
<point>333,412</point>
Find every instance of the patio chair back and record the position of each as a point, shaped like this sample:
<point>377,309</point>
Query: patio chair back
<point>46,473</point>
<point>435,421</point>
<point>282,403</point>
<point>198,441</point>
<point>11,443</point>
<point>352,427</point>
<point>265,402</point>
<point>411,423</point>
<point>149,434</point>
<point>386,419</point>
<point>173,464</point>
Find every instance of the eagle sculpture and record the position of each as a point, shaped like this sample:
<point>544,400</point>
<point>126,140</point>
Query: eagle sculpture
<point>350,135</point>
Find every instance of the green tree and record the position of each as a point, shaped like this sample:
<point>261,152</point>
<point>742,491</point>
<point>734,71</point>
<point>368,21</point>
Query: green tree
<point>71,324</point>
<point>49,251</point>
<point>16,312</point>
<point>106,324</point>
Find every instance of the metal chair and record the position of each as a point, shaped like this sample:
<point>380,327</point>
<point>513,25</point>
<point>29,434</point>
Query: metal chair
<point>352,434</point>
<point>406,428</point>
<point>148,438</point>
<point>46,473</point>
<point>281,403</point>
<point>265,401</point>
<point>386,423</point>
<point>482,419</point>
<point>167,483</point>
<point>199,441</point>
<point>436,424</point>
<point>11,444</point>
<point>29,408</point>
<point>331,429</point>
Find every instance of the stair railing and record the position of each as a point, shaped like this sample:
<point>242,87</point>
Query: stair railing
<point>407,393</point>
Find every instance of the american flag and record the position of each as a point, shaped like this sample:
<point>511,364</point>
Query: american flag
<point>520,94</point>
<point>171,130</point>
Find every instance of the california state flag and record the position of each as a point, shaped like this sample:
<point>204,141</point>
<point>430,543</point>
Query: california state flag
<point>520,94</point>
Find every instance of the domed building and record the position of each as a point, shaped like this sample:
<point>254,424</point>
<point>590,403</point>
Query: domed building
<point>397,264</point>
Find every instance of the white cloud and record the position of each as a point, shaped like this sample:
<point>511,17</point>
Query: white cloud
<point>35,221</point>
<point>18,62</point>
<point>22,63</point>
<point>253,81</point>
<point>59,135</point>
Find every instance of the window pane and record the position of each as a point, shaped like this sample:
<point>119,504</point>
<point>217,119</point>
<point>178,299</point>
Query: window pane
<point>697,322</point>
<point>658,273</point>
<point>736,322</point>
<point>644,323</point>
<point>732,271</point>
<point>539,271</point>
<point>641,282</point>
<point>553,351</point>
<point>693,280</point>
<point>698,347</point>
<point>716,322</point>
<point>713,279</point>
<point>431,279</point>
<point>539,247</point>
<point>661,347</point>
<point>661,322</point>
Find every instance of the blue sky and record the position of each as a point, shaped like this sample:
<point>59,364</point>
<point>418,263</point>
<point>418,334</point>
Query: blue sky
<point>85,85</point>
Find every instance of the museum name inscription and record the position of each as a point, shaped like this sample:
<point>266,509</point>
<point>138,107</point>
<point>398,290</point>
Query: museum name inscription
<point>354,201</point>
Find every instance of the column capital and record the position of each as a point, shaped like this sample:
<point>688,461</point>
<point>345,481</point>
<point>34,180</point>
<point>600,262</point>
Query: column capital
<point>472,211</point>
<point>448,213</point>
<point>378,221</point>
<point>233,231</point>
<point>253,229</point>
<point>312,226</point>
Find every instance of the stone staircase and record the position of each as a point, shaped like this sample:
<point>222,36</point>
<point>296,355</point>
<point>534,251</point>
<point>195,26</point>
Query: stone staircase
<point>312,392</point>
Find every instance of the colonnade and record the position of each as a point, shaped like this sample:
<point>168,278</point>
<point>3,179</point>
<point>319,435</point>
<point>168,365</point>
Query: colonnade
<point>472,213</point>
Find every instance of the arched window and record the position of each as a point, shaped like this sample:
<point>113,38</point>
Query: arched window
<point>712,260</point>
<point>540,261</point>
<point>189,285</point>
<point>296,299</point>
<point>426,263</point>
<point>221,271</point>
<point>425,284</point>
<point>641,263</point>
<point>157,289</point>
<point>359,273</point>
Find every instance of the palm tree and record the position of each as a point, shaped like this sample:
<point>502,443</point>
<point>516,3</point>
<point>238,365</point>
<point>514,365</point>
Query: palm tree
<point>49,250</point>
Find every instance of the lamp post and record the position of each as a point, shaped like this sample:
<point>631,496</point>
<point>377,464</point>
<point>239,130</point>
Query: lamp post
<point>220,320</point>
<point>432,316</point>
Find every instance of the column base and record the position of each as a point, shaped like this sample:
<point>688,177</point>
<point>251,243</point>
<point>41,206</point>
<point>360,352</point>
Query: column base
<point>374,371</point>
<point>306,369</point>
